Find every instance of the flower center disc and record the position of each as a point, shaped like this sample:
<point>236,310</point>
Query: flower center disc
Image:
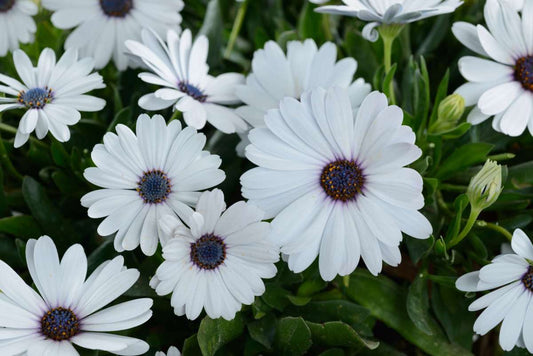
<point>36,98</point>
<point>208,252</point>
<point>6,5</point>
<point>342,180</point>
<point>523,72</point>
<point>60,324</point>
<point>116,8</point>
<point>527,279</point>
<point>154,187</point>
<point>192,91</point>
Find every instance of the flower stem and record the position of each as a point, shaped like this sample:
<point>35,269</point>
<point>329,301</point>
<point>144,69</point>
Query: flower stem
<point>6,162</point>
<point>474,213</point>
<point>239,19</point>
<point>13,130</point>
<point>496,228</point>
<point>388,35</point>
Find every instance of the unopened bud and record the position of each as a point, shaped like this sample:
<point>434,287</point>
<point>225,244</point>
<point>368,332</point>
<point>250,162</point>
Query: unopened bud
<point>486,186</point>
<point>450,110</point>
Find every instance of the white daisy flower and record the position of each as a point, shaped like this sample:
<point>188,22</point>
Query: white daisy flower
<point>218,262</point>
<point>390,12</point>
<point>180,66</point>
<point>516,4</point>
<point>335,181</point>
<point>51,93</point>
<point>66,311</point>
<point>172,351</point>
<point>156,172</point>
<point>501,86</point>
<point>511,275</point>
<point>276,76</point>
<point>16,24</point>
<point>102,26</point>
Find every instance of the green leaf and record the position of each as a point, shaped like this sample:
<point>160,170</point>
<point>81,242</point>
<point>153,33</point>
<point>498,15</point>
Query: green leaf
<point>337,333</point>
<point>45,213</point>
<point>464,157</point>
<point>460,204</point>
<point>122,117</point>
<point>275,296</point>
<point>310,23</point>
<point>418,306</point>
<point>388,79</point>
<point>298,301</point>
<point>263,330</point>
<point>442,91</point>
<point>311,286</point>
<point>59,154</point>
<point>213,28</point>
<point>22,226</point>
<point>293,337</point>
<point>386,301</point>
<point>215,333</point>
<point>521,175</point>
<point>343,310</point>
<point>418,248</point>
<point>456,132</point>
<point>191,347</point>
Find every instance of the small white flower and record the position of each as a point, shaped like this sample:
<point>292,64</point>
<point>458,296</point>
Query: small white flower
<point>52,93</point>
<point>335,181</point>
<point>156,172</point>
<point>515,4</point>
<point>67,309</point>
<point>276,76</point>
<point>16,24</point>
<point>172,351</point>
<point>102,26</point>
<point>501,86</point>
<point>511,275</point>
<point>180,66</point>
<point>390,12</point>
<point>218,262</point>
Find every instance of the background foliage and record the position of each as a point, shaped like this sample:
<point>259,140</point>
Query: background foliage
<point>410,310</point>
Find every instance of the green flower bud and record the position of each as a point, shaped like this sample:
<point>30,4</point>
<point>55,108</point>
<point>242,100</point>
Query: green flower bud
<point>486,186</point>
<point>450,110</point>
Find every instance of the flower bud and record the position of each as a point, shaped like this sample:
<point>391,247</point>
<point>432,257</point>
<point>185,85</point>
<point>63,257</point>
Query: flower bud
<point>486,186</point>
<point>450,110</point>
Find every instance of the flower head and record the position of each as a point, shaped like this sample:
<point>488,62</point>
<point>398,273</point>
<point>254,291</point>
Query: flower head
<point>216,263</point>
<point>511,275</point>
<point>66,310</point>
<point>180,67</point>
<point>157,171</point>
<point>17,24</point>
<point>51,93</point>
<point>388,12</point>
<point>102,26</point>
<point>502,85</point>
<point>485,187</point>
<point>335,181</point>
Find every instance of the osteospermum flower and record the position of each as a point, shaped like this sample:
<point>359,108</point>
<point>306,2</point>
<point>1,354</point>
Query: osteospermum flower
<point>218,262</point>
<point>52,93</point>
<point>66,310</point>
<point>389,12</point>
<point>154,172</point>
<point>335,182</point>
<point>180,67</point>
<point>511,277</point>
<point>276,76</point>
<point>102,26</point>
<point>16,24</point>
<point>172,351</point>
<point>501,86</point>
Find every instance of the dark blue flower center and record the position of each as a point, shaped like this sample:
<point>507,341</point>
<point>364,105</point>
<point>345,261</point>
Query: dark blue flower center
<point>36,98</point>
<point>342,180</point>
<point>6,5</point>
<point>59,324</point>
<point>116,8</point>
<point>192,91</point>
<point>527,279</point>
<point>154,187</point>
<point>208,252</point>
<point>523,72</point>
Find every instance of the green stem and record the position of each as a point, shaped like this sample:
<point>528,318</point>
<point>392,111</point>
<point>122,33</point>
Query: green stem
<point>6,162</point>
<point>175,115</point>
<point>474,213</point>
<point>453,187</point>
<point>496,228</point>
<point>442,204</point>
<point>387,61</point>
<point>239,19</point>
